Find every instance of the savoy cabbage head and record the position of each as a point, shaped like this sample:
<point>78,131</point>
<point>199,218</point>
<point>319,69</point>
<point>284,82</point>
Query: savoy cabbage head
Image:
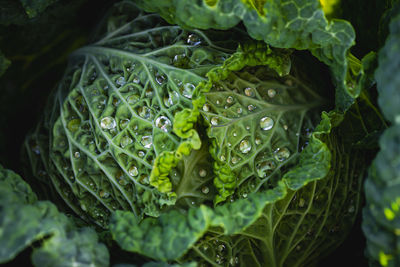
<point>205,133</point>
<point>200,145</point>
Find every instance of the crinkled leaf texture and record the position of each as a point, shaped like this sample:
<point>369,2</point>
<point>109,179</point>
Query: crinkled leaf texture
<point>109,139</point>
<point>306,214</point>
<point>381,216</point>
<point>24,220</point>
<point>295,24</point>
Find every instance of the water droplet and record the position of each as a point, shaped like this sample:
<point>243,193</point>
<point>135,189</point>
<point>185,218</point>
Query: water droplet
<point>104,194</point>
<point>149,92</point>
<point>188,89</point>
<point>171,99</point>
<point>133,171</point>
<point>221,248</point>
<point>247,128</point>
<point>222,158</point>
<point>144,112</point>
<point>206,107</point>
<point>164,123</point>
<point>271,93</point>
<point>205,190</point>
<point>234,134</point>
<point>266,123</point>
<point>193,39</point>
<point>229,100</point>
<point>116,102</point>
<point>229,144</point>
<point>282,154</point>
<point>136,80</point>
<point>123,123</point>
<point>251,107</point>
<point>146,141</point>
<point>141,153</point>
<point>285,127</point>
<point>235,160</point>
<point>105,88</point>
<point>126,141</point>
<point>257,141</point>
<point>214,121</point>
<point>180,61</point>
<point>160,78</point>
<point>203,173</point>
<point>120,81</point>
<point>245,146</point>
<point>249,92</point>
<point>73,125</point>
<point>239,110</point>
<point>108,123</point>
<point>218,102</point>
<point>244,195</point>
<point>77,154</point>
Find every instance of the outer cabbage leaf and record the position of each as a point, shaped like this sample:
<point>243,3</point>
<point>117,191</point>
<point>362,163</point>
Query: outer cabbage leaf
<point>381,216</point>
<point>280,23</point>
<point>113,139</point>
<point>24,220</point>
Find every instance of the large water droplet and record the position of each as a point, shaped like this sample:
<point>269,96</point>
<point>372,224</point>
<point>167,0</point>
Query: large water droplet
<point>141,153</point>
<point>188,89</point>
<point>266,123</point>
<point>239,110</point>
<point>77,155</point>
<point>282,154</point>
<point>164,123</point>
<point>126,141</point>
<point>146,141</point>
<point>120,81</point>
<point>108,123</point>
<point>133,171</point>
<point>245,146</point>
<point>229,100</point>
